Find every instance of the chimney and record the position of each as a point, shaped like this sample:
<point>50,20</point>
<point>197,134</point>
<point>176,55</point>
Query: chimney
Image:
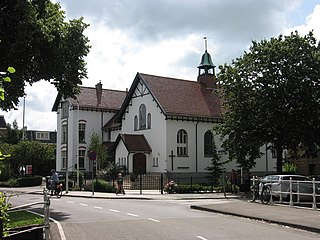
<point>99,92</point>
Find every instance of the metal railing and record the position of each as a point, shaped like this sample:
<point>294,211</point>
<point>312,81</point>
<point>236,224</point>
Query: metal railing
<point>293,191</point>
<point>46,211</point>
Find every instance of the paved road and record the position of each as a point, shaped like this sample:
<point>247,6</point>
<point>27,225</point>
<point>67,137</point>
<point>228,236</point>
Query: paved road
<point>100,218</point>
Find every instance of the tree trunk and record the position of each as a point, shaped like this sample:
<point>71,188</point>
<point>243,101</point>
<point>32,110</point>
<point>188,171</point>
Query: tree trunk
<point>279,150</point>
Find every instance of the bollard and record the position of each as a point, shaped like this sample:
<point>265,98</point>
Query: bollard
<point>46,209</point>
<point>291,197</point>
<point>314,203</point>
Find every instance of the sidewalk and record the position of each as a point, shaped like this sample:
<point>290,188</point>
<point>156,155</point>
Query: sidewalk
<point>237,205</point>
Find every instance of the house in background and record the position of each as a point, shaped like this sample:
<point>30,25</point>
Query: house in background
<point>3,124</point>
<point>161,124</point>
<point>78,118</point>
<point>48,137</point>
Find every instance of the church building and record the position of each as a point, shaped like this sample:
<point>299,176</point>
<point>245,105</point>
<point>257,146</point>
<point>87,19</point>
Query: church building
<point>160,125</point>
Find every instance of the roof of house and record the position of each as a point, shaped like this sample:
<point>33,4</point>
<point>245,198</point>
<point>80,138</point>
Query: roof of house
<point>110,99</point>
<point>134,142</point>
<point>177,97</point>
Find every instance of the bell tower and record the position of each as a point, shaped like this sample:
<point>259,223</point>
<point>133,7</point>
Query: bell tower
<point>206,67</point>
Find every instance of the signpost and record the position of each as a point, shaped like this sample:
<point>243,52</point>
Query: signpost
<point>92,156</point>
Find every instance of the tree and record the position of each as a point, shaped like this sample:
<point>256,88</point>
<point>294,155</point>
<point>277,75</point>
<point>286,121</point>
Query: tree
<point>40,156</point>
<point>272,95</point>
<point>12,134</point>
<point>96,146</point>
<point>216,167</point>
<point>35,39</point>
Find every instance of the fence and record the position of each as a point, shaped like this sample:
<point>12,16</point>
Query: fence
<point>45,228</point>
<point>293,191</point>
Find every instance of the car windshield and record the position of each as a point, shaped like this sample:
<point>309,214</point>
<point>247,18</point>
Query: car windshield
<point>296,178</point>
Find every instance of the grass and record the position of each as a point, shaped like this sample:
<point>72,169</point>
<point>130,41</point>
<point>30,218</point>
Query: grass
<point>24,218</point>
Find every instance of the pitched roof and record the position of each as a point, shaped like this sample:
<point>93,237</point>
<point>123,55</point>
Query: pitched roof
<point>134,142</point>
<point>110,99</point>
<point>182,97</point>
<point>179,98</point>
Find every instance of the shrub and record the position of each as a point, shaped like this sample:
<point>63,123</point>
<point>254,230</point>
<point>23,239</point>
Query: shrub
<point>29,181</point>
<point>100,186</point>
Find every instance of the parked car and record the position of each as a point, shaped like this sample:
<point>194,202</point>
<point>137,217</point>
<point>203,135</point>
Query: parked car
<point>280,185</point>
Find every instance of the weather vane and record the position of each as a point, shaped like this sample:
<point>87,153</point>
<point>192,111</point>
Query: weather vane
<point>205,43</point>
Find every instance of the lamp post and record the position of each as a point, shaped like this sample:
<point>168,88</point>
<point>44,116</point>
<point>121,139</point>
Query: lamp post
<point>23,117</point>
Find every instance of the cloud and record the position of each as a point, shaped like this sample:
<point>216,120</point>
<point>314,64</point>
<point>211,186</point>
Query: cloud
<point>165,37</point>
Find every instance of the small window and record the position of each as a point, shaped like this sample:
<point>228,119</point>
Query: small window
<point>82,155</point>
<point>149,120</point>
<point>64,109</point>
<point>155,162</point>
<point>182,143</point>
<point>64,159</point>
<point>142,117</point>
<point>82,132</point>
<point>42,136</point>
<point>64,134</point>
<point>208,144</point>
<point>136,123</point>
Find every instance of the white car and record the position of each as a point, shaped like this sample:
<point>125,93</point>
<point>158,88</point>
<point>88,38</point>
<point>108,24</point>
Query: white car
<point>301,185</point>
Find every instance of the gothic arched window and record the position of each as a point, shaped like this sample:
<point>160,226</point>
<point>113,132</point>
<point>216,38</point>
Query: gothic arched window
<point>182,143</point>
<point>149,120</point>
<point>142,116</point>
<point>135,122</point>
<point>208,144</point>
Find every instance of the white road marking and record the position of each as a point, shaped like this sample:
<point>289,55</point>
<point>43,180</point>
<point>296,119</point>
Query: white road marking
<point>97,207</point>
<point>83,204</point>
<point>202,238</point>
<point>154,220</point>
<point>70,202</point>
<point>113,210</point>
<point>133,215</point>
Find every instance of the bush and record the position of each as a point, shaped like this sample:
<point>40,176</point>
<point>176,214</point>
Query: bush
<point>100,186</point>
<point>29,181</point>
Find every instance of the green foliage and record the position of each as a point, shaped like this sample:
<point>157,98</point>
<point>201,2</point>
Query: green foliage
<point>96,146</point>
<point>272,95</point>
<point>29,181</point>
<point>5,78</point>
<point>24,218</point>
<point>216,167</point>
<point>4,217</point>
<point>100,186</point>
<point>12,134</point>
<point>37,41</point>
<point>289,167</point>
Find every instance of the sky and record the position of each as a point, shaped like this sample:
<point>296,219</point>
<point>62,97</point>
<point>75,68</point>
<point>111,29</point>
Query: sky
<point>166,38</point>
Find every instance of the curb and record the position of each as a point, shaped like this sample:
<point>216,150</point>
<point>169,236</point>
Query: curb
<point>297,226</point>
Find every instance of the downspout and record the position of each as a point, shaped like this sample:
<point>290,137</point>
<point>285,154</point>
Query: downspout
<point>197,146</point>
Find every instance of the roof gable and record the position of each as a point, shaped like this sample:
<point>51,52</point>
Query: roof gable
<point>134,142</point>
<point>177,97</point>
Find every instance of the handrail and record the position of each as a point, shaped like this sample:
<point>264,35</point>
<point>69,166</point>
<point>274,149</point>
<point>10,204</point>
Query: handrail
<point>46,210</point>
<point>292,191</point>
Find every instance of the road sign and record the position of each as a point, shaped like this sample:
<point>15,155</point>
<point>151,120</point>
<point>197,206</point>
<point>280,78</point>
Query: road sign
<point>92,155</point>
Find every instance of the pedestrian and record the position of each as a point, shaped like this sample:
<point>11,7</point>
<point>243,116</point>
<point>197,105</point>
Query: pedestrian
<point>120,185</point>
<point>233,181</point>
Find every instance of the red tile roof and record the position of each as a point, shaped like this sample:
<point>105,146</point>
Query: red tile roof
<point>134,142</point>
<point>110,99</point>
<point>184,98</point>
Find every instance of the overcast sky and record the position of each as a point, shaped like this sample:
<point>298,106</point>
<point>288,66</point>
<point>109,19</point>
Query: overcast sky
<point>165,37</point>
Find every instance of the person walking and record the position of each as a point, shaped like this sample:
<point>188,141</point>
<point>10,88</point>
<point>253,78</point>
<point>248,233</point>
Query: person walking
<point>54,180</point>
<point>120,185</point>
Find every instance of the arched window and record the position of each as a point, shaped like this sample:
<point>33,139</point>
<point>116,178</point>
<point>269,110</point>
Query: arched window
<point>182,143</point>
<point>149,120</point>
<point>135,122</point>
<point>142,116</point>
<point>208,144</point>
